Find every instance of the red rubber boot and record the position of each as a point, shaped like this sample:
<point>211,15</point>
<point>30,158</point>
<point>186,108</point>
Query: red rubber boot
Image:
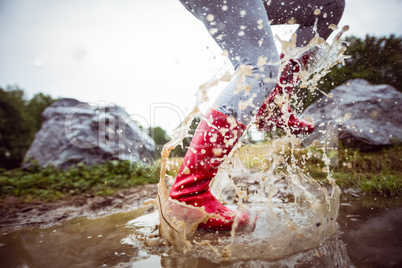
<point>270,114</point>
<point>200,164</point>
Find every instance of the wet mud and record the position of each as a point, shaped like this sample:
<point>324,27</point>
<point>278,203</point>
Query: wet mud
<point>16,214</point>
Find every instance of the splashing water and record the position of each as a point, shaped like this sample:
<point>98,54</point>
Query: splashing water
<point>294,212</point>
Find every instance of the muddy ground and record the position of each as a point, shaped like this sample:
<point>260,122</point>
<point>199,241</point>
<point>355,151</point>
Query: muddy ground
<point>15,214</point>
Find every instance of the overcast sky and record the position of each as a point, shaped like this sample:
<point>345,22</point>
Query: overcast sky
<point>137,54</point>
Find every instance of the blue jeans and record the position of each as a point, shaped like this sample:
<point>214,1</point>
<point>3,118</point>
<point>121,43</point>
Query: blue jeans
<point>242,28</point>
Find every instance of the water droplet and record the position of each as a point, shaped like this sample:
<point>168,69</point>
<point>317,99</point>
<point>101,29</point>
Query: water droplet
<point>186,170</point>
<point>213,31</point>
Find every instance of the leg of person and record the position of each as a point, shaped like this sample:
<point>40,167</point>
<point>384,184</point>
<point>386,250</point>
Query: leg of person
<point>308,14</point>
<point>241,27</point>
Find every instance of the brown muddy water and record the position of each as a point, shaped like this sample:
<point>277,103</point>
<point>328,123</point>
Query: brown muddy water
<point>370,236</point>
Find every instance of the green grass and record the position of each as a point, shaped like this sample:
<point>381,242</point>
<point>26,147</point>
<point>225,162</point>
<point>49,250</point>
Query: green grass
<point>374,172</point>
<point>378,172</point>
<point>50,183</point>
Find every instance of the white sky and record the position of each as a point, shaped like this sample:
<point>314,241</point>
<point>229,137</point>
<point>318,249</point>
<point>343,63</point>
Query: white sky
<point>136,54</point>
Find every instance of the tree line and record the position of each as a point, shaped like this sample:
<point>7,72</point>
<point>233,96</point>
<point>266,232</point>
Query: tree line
<point>375,59</point>
<point>20,119</point>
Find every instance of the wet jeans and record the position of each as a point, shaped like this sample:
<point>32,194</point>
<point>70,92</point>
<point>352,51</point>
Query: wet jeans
<point>242,28</point>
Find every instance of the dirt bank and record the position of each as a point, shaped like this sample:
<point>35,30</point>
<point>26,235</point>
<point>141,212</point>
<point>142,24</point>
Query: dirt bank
<point>15,214</point>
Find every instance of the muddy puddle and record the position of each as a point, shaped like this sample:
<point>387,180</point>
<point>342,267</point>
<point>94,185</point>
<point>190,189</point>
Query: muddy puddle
<point>371,229</point>
<point>369,236</point>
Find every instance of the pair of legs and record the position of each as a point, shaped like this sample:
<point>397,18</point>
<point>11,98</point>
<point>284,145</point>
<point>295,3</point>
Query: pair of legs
<point>242,28</point>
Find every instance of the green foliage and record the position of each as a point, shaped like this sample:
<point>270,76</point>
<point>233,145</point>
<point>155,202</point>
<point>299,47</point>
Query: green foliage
<point>50,183</point>
<point>36,106</point>
<point>378,172</point>
<point>19,121</point>
<point>374,172</point>
<point>160,137</point>
<point>181,151</point>
<point>15,133</point>
<point>378,60</point>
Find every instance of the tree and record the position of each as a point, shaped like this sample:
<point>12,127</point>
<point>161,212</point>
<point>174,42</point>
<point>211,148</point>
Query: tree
<point>15,128</point>
<point>36,106</point>
<point>181,151</point>
<point>19,121</point>
<point>160,137</point>
<point>378,60</point>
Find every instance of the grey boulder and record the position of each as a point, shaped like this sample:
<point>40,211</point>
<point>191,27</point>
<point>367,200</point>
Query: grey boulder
<point>75,132</point>
<point>359,114</point>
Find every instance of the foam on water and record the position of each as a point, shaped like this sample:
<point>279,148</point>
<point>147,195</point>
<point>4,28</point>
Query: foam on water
<point>294,212</point>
